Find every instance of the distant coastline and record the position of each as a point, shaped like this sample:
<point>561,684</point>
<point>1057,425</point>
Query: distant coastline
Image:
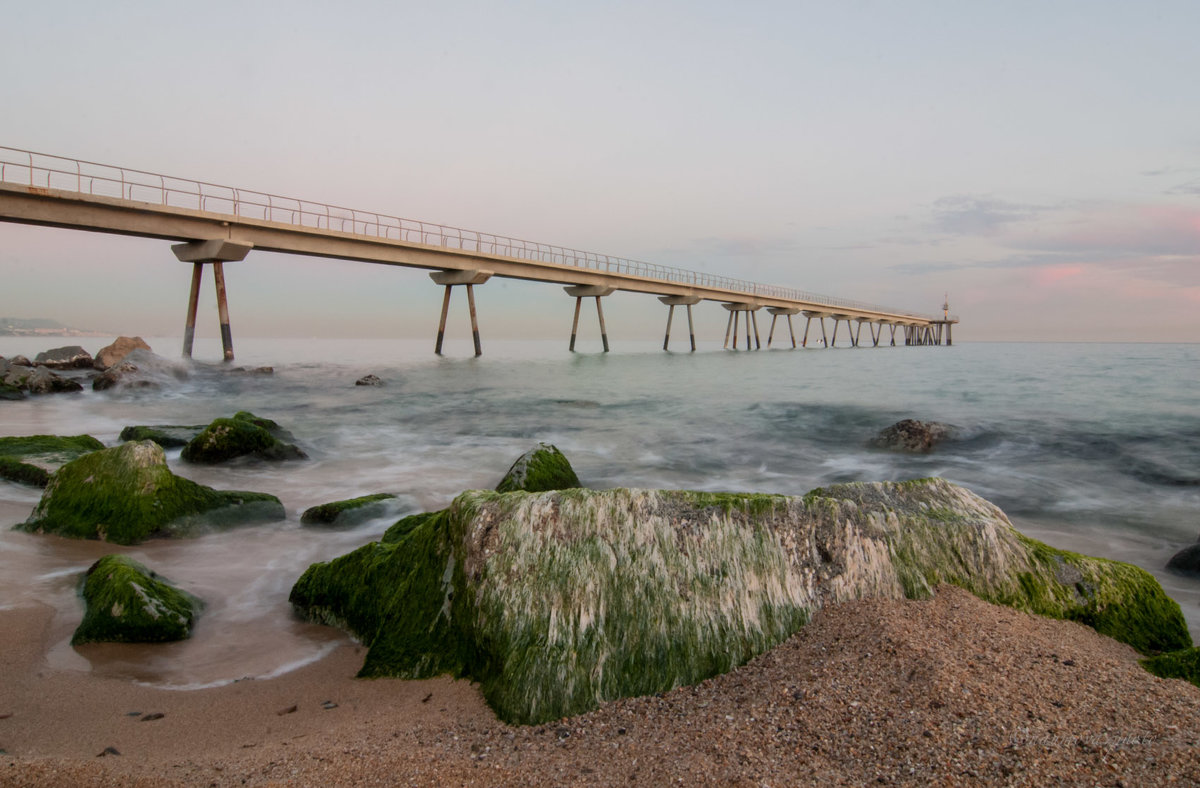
<point>40,326</point>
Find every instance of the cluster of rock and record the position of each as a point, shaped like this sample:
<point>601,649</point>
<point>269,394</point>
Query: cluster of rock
<point>118,364</point>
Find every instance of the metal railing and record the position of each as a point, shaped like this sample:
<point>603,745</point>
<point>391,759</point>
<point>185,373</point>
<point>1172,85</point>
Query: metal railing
<point>41,170</point>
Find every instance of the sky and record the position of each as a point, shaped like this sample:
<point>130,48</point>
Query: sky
<point>1039,162</point>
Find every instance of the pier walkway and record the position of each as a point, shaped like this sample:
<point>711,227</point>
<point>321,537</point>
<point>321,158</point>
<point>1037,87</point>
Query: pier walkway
<point>213,225</point>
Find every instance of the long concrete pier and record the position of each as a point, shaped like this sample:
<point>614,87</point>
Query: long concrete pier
<point>213,225</point>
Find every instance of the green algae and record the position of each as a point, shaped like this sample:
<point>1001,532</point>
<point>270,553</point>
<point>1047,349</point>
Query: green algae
<point>30,459</point>
<point>347,512</point>
<point>540,469</point>
<point>1182,664</point>
<point>404,525</point>
<point>242,435</point>
<point>127,494</point>
<point>128,603</point>
<point>168,436</point>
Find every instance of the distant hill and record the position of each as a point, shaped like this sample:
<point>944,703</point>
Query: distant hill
<point>32,326</point>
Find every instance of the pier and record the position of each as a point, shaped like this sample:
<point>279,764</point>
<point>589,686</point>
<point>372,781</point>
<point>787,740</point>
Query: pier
<point>211,225</point>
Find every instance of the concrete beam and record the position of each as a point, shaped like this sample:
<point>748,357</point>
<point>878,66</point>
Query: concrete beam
<point>460,277</point>
<point>783,310</point>
<point>216,250</point>
<point>742,307</point>
<point>589,291</point>
<point>680,300</point>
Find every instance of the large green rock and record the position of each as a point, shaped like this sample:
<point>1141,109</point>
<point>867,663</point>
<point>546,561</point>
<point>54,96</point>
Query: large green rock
<point>31,459</point>
<point>558,601</point>
<point>244,434</point>
<point>128,603</point>
<point>127,494</point>
<point>1183,664</point>
<point>348,512</point>
<point>540,469</point>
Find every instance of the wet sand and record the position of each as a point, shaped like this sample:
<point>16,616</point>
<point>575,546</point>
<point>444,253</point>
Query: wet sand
<point>947,691</point>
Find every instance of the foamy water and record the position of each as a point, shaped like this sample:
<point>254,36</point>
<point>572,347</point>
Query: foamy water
<point>1094,448</point>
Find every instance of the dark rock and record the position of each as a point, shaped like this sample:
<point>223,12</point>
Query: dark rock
<point>1186,561</point>
<point>68,357</point>
<point>349,512</point>
<point>127,494</point>
<point>112,354</point>
<point>31,459</point>
<point>369,380</point>
<point>914,436</point>
<point>128,603</point>
<point>541,468</point>
<point>166,435</point>
<point>8,392</point>
<point>20,361</point>
<point>123,374</point>
<point>243,435</point>
<point>108,751</point>
<point>252,371</point>
<point>557,601</point>
<point>158,715</point>
<point>42,381</point>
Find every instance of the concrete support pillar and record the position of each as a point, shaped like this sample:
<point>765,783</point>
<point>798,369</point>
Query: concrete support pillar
<point>893,327</point>
<point>836,321</point>
<point>672,302</point>
<point>949,336</point>
<point>217,252</point>
<point>581,292</point>
<point>449,279</point>
<point>751,320</point>
<point>820,317</point>
<point>776,311</point>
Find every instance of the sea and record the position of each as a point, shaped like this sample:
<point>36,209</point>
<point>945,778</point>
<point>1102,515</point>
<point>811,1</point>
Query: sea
<point>1089,447</point>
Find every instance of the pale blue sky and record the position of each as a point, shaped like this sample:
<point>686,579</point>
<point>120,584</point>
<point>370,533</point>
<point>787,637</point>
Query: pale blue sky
<point>1038,160</point>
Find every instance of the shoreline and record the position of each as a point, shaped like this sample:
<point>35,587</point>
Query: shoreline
<point>949,689</point>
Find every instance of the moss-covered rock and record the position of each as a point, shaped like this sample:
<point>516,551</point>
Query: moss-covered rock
<point>31,459</point>
<point>1183,664</point>
<point>558,601</point>
<point>127,494</point>
<point>8,392</point>
<point>168,436</point>
<point>128,603</point>
<point>348,512</point>
<point>243,435</point>
<point>540,469</point>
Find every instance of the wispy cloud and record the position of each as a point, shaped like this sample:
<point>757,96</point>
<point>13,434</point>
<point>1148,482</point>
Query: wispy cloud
<point>964,214</point>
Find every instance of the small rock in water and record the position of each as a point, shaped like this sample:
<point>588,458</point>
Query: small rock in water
<point>252,371</point>
<point>1186,561</point>
<point>69,357</point>
<point>913,435</point>
<point>121,347</point>
<point>369,380</point>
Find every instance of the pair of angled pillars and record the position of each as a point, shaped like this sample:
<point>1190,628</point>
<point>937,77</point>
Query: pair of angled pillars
<point>731,327</point>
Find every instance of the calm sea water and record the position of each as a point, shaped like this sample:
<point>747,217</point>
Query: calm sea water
<point>1090,447</point>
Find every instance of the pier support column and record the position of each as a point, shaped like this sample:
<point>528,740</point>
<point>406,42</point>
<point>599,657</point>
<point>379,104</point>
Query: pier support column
<point>775,312</point>
<point>734,310</point>
<point>581,292</point>
<point>449,279</point>
<point>875,335</point>
<point>809,316</point>
<point>672,302</point>
<point>893,327</point>
<point>217,252</point>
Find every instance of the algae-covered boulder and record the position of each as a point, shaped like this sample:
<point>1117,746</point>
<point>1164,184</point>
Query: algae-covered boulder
<point>540,469</point>
<point>1183,664</point>
<point>243,435</point>
<point>128,603</point>
<point>348,512</point>
<point>558,601</point>
<point>127,494</point>
<point>166,435</point>
<point>31,459</point>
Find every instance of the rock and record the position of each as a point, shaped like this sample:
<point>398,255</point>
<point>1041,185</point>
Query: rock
<point>166,435</point>
<point>243,435</point>
<point>369,380</point>
<point>123,374</point>
<point>128,603</point>
<point>41,380</point>
<point>20,361</point>
<point>127,494</point>
<point>68,357</point>
<point>1182,664</point>
<point>31,459</point>
<point>347,513</point>
<point>118,350</point>
<point>541,468</point>
<point>1186,561</point>
<point>8,392</point>
<point>558,601</point>
<point>252,371</point>
<point>912,435</point>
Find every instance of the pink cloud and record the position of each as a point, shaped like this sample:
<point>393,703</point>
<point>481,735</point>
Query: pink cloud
<point>1053,274</point>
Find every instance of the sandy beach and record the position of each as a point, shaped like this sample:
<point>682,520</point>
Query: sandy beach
<point>947,691</point>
